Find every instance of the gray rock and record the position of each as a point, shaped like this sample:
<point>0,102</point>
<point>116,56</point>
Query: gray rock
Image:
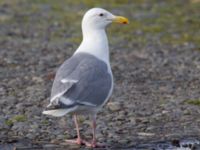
<point>60,137</point>
<point>114,106</point>
<point>31,135</point>
<point>51,146</point>
<point>3,124</point>
<point>19,126</point>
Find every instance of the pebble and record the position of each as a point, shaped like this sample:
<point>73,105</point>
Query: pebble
<point>30,136</point>
<point>132,120</point>
<point>60,137</point>
<point>3,124</point>
<point>145,134</point>
<point>50,146</point>
<point>124,141</point>
<point>19,126</point>
<point>37,79</point>
<point>114,106</point>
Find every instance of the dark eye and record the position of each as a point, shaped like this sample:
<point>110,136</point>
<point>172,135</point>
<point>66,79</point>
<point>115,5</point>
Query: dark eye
<point>101,14</point>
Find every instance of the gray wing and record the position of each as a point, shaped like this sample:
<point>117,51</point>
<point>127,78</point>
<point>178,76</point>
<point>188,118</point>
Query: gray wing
<point>59,87</point>
<point>82,80</point>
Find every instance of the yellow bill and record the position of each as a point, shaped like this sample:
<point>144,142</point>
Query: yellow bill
<point>120,19</point>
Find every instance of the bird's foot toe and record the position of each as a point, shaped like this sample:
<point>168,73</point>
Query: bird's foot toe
<point>83,142</point>
<point>75,141</point>
<point>94,144</point>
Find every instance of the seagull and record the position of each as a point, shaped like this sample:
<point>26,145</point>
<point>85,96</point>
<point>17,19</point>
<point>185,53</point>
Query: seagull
<point>84,82</point>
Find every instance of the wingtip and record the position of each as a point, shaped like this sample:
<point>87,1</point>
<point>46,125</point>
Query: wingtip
<point>44,112</point>
<point>49,105</point>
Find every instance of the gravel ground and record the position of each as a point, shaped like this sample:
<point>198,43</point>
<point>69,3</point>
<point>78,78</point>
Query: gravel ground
<point>155,62</point>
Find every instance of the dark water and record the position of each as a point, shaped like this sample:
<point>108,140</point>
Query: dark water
<point>183,144</point>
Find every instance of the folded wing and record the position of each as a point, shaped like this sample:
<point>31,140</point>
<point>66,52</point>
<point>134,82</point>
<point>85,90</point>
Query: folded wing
<point>81,80</point>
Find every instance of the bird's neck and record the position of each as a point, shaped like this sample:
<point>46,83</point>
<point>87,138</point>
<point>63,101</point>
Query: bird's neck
<point>95,42</point>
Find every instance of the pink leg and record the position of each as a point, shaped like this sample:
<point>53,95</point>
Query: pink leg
<point>78,140</point>
<point>94,125</point>
<point>94,141</point>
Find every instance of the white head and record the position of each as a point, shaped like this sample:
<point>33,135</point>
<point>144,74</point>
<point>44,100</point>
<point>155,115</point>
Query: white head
<point>95,40</point>
<point>98,18</point>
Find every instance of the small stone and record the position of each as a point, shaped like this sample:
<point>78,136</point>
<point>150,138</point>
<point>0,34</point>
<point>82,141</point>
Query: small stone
<point>165,112</point>
<point>19,126</point>
<point>3,124</point>
<point>145,134</point>
<point>30,136</point>
<point>116,137</point>
<point>70,146</point>
<point>114,106</point>
<point>11,99</point>
<point>37,79</point>
<point>34,111</point>
<point>110,135</point>
<point>142,120</point>
<point>20,106</point>
<point>47,146</point>
<point>60,137</point>
<point>150,128</point>
<point>2,91</point>
<point>98,135</point>
<point>132,120</point>
<point>186,112</point>
<point>34,126</point>
<point>124,141</point>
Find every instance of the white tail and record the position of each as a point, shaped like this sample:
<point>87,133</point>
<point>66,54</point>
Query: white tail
<point>59,112</point>
<point>56,112</point>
